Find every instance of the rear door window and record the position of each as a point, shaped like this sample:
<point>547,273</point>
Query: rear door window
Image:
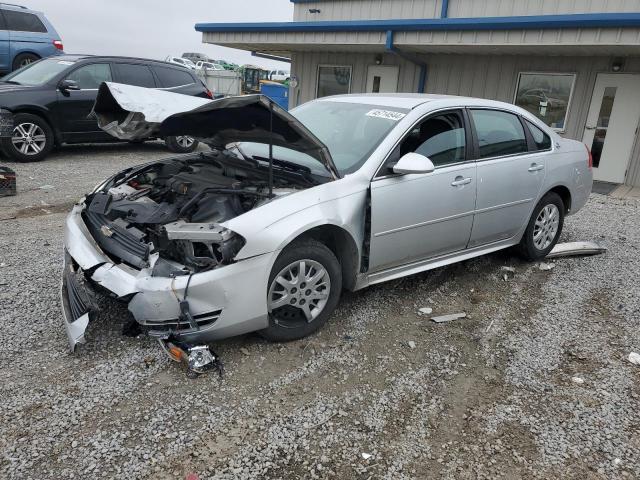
<point>89,77</point>
<point>173,77</point>
<point>499,133</point>
<point>541,140</point>
<point>23,22</point>
<point>135,74</point>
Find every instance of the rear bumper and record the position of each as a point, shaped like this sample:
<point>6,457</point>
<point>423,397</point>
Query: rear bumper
<point>224,302</point>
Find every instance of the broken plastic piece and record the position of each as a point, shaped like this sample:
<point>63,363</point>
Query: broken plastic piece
<point>366,456</point>
<point>425,311</point>
<point>449,317</point>
<point>198,359</point>
<point>634,358</point>
<point>545,267</point>
<point>570,249</point>
<point>578,380</point>
<point>508,269</point>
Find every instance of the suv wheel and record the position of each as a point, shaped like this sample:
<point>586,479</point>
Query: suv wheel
<point>181,144</point>
<point>31,141</point>
<point>544,228</point>
<point>24,59</point>
<point>304,289</point>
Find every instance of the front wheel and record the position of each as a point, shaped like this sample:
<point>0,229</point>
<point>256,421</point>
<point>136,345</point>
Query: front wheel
<point>544,228</point>
<point>23,60</point>
<point>181,144</point>
<point>31,141</point>
<point>304,289</point>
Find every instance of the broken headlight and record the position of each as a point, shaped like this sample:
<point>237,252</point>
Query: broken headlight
<point>202,246</point>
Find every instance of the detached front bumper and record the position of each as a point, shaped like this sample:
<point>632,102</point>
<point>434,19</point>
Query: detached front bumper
<point>224,302</point>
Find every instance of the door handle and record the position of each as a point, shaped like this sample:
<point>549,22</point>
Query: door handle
<point>589,127</point>
<point>460,181</point>
<point>535,167</point>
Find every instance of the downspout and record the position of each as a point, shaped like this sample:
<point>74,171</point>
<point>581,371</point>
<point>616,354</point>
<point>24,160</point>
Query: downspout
<point>444,12</point>
<point>422,76</point>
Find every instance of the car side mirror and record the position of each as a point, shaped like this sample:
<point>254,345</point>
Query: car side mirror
<point>413,163</point>
<point>68,85</point>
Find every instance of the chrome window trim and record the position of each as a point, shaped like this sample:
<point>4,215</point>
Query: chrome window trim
<point>413,125</point>
<point>335,65</point>
<point>569,101</point>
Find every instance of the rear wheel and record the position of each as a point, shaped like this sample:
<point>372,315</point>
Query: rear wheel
<point>24,59</point>
<point>544,228</point>
<point>31,141</point>
<point>304,289</point>
<point>181,144</point>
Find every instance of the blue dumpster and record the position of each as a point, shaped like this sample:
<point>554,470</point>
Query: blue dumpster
<point>277,92</point>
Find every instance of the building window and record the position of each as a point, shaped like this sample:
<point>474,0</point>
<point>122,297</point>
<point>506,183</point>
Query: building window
<point>547,96</point>
<point>333,80</point>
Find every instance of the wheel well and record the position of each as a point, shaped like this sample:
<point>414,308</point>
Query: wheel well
<point>341,243</point>
<point>565,195</point>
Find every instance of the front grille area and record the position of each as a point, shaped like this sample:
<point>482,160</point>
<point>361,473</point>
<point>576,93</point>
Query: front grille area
<point>116,237</point>
<point>78,297</point>
<point>180,326</point>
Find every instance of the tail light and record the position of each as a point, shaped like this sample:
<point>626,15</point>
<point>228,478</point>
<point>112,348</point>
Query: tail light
<point>58,44</point>
<point>590,160</point>
<point>208,93</point>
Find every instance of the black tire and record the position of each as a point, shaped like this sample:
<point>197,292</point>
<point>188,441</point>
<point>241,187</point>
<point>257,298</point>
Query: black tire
<point>175,145</point>
<point>24,59</point>
<point>42,139</point>
<point>288,323</point>
<point>528,247</point>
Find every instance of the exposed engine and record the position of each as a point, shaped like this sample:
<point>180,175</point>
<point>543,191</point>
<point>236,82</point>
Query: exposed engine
<point>175,208</point>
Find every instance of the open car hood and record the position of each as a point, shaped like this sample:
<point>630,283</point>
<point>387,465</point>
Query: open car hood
<point>133,113</point>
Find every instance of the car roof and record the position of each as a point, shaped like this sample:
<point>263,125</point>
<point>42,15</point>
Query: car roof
<point>413,100</point>
<point>78,57</point>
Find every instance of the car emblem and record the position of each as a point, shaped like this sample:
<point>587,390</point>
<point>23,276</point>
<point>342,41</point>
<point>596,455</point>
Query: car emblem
<point>106,231</point>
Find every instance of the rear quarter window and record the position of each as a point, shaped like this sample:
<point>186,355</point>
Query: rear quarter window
<point>23,22</point>
<point>173,77</point>
<point>541,140</point>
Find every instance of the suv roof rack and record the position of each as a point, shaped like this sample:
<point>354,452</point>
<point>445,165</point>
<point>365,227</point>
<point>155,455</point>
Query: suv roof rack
<point>14,5</point>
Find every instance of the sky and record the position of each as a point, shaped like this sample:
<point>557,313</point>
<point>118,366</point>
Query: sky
<point>155,28</point>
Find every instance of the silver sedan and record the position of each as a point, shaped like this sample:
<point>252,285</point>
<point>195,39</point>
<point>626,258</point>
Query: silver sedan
<point>263,232</point>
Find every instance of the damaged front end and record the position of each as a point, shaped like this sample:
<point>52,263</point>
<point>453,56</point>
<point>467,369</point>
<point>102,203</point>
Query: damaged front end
<point>155,236</point>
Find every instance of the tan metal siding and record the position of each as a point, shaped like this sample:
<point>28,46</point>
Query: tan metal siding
<point>366,10</point>
<point>388,9</point>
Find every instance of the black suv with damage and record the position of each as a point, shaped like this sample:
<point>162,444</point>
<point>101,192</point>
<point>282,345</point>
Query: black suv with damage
<point>51,100</point>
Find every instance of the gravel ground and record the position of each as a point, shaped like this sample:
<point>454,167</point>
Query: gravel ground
<point>497,394</point>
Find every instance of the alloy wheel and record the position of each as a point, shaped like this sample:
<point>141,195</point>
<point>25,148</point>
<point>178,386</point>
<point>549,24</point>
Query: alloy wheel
<point>299,293</point>
<point>26,61</point>
<point>546,227</point>
<point>184,141</point>
<point>28,138</point>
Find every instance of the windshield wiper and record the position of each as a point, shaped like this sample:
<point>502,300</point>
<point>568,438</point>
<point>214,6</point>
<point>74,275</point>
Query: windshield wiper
<point>285,163</point>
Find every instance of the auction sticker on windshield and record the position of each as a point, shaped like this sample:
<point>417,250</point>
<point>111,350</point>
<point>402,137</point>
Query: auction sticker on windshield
<point>65,62</point>
<point>388,114</point>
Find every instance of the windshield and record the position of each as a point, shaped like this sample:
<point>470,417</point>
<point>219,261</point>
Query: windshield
<point>351,131</point>
<point>38,73</point>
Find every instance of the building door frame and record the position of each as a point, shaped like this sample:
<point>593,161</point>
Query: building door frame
<point>612,123</point>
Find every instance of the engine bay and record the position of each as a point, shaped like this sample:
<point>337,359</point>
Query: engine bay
<point>175,207</point>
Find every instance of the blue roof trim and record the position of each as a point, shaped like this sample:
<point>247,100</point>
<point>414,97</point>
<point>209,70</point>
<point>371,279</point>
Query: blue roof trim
<point>582,20</point>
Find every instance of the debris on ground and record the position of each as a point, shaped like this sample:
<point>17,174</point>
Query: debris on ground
<point>545,267</point>
<point>508,269</point>
<point>366,456</point>
<point>411,344</point>
<point>425,311</point>
<point>449,317</point>
<point>569,249</point>
<point>7,182</point>
<point>244,351</point>
<point>634,358</point>
<point>578,380</point>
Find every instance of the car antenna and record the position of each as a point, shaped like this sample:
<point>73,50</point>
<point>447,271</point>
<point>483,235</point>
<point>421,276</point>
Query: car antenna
<point>270,149</point>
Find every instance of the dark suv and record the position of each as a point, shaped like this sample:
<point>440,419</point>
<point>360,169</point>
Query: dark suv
<point>51,100</point>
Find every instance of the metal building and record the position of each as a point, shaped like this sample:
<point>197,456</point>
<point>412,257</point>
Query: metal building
<point>573,63</point>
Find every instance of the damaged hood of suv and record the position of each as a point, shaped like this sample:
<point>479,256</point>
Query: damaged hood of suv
<point>130,113</point>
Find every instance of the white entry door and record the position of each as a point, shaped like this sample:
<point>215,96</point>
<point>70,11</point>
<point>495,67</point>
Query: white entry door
<point>611,124</point>
<point>382,79</point>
